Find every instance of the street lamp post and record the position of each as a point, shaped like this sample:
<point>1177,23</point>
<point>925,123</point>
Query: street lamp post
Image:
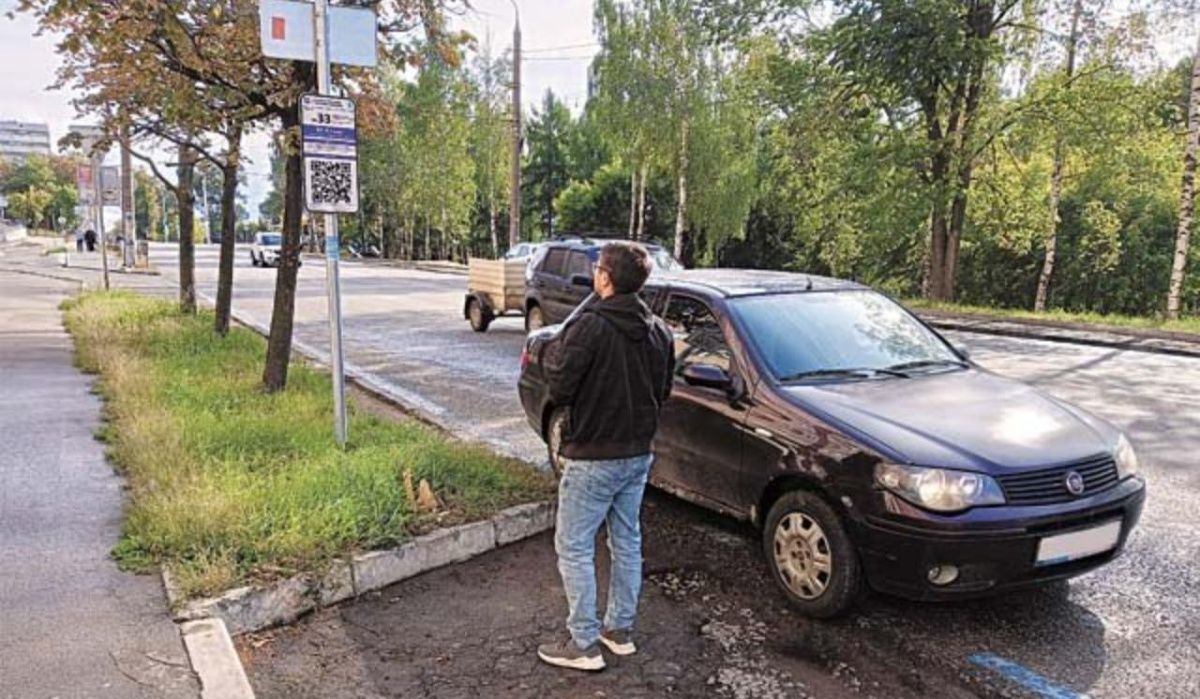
<point>514,195</point>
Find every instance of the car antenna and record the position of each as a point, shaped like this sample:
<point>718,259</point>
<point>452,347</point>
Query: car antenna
<point>808,287</point>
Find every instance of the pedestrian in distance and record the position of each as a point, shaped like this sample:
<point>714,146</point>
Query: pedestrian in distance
<point>89,238</point>
<point>612,367</point>
<point>78,241</point>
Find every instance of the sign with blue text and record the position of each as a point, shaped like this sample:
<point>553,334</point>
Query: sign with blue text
<point>329,146</point>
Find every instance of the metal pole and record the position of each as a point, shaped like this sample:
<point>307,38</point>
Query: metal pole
<point>332,283</point>
<point>207,213</point>
<point>127,226</point>
<point>514,195</point>
<point>99,194</point>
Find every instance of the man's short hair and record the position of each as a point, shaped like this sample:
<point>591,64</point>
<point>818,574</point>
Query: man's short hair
<point>628,265</point>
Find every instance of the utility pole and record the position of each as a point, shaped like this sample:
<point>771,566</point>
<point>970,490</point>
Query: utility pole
<point>97,159</point>
<point>207,214</point>
<point>332,282</point>
<point>514,196</point>
<point>127,227</point>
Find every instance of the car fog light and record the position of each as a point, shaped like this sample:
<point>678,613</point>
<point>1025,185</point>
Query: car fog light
<point>943,574</point>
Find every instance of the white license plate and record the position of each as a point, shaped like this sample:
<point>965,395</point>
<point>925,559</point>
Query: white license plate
<point>1070,547</point>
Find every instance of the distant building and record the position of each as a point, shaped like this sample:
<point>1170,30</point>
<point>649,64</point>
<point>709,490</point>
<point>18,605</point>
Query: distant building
<point>20,139</point>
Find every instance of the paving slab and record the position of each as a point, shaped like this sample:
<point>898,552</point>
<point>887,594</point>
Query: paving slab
<point>73,625</point>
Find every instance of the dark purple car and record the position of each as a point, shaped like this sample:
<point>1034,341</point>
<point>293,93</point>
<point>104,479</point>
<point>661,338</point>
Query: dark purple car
<point>867,447</point>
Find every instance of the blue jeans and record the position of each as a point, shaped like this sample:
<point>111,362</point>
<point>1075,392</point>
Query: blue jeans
<point>592,493</point>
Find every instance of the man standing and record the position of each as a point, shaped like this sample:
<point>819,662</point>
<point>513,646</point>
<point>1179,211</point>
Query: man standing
<point>612,366</point>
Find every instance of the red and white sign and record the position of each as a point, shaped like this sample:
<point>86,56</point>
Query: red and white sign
<point>286,30</point>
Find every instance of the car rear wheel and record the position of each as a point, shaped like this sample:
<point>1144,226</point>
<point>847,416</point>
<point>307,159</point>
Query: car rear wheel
<point>810,555</point>
<point>479,318</point>
<point>554,437</point>
<point>534,320</point>
<point>253,260</point>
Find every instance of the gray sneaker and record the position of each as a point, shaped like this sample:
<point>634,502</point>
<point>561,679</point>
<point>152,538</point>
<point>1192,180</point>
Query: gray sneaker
<point>567,654</point>
<point>618,642</point>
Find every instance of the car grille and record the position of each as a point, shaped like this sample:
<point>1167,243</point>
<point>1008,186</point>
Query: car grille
<point>1049,486</point>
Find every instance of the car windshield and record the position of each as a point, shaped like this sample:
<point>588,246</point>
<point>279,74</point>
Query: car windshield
<point>271,239</point>
<point>839,334</point>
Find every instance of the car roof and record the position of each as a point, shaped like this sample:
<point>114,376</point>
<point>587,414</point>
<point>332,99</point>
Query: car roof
<point>731,283</point>
<point>589,244</point>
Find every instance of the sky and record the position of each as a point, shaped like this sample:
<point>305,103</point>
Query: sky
<point>28,64</point>
<point>557,43</point>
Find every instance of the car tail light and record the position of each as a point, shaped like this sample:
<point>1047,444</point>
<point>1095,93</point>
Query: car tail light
<point>525,359</point>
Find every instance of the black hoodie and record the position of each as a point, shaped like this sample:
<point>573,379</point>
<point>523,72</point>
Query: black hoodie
<point>613,366</point>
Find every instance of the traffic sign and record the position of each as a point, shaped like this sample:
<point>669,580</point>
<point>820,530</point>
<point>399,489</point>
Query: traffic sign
<point>286,31</point>
<point>110,185</point>
<point>329,145</point>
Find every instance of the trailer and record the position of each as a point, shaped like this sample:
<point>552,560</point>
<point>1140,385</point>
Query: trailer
<point>494,288</point>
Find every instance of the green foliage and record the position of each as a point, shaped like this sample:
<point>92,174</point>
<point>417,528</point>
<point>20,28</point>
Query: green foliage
<point>547,169</point>
<point>42,191</point>
<point>229,484</point>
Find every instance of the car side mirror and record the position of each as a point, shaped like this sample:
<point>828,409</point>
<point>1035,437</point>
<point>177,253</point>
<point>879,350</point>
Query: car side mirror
<point>707,376</point>
<point>581,280</point>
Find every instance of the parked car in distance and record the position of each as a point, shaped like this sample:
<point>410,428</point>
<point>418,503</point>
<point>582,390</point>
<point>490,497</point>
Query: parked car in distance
<point>521,251</point>
<point>866,447</point>
<point>264,251</point>
<point>559,277</point>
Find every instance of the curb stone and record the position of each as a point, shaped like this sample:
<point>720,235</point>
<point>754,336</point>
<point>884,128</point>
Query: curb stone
<point>215,661</point>
<point>249,609</point>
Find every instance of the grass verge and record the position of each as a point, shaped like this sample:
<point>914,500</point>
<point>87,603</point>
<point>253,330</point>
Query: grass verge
<point>229,484</point>
<point>1184,325</point>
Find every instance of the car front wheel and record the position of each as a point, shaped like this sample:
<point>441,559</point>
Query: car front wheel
<point>810,556</point>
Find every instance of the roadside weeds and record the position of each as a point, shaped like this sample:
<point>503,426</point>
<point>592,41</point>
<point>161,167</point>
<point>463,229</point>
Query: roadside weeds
<point>231,486</point>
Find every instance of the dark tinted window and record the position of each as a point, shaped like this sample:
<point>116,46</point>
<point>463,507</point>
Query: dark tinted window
<point>817,331</point>
<point>578,264</point>
<point>556,262</point>
<point>698,336</point>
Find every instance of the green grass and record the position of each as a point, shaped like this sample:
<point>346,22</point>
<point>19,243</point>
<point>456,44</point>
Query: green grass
<point>54,251</point>
<point>1187,325</point>
<point>229,484</point>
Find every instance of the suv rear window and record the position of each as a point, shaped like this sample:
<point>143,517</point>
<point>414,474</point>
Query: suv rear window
<point>556,262</point>
<point>579,265</point>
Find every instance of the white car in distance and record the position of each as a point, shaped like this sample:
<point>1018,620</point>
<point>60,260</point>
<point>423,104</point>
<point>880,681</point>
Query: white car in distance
<point>264,252</point>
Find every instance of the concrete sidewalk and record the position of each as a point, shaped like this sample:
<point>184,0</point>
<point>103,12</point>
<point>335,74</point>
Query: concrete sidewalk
<point>71,624</point>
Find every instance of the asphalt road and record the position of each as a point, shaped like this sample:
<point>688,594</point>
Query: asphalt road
<point>1127,630</point>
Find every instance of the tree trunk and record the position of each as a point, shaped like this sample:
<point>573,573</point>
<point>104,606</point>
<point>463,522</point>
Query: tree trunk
<point>682,192</point>
<point>279,344</point>
<point>229,184</point>
<point>492,229</point>
<point>1187,193</point>
<point>187,246</point>
<point>1056,176</point>
<point>632,203</point>
<point>641,205</point>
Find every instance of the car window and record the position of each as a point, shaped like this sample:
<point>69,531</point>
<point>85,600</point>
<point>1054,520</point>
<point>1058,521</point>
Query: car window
<point>578,264</point>
<point>556,262</point>
<point>698,335</point>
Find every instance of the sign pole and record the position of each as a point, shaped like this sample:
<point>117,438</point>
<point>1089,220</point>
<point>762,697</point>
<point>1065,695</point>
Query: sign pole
<point>332,244</point>
<point>96,167</point>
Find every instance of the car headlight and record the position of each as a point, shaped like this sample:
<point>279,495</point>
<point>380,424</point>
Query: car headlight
<point>1126,458</point>
<point>939,489</point>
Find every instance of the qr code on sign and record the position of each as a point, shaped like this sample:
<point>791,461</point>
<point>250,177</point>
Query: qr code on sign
<point>331,181</point>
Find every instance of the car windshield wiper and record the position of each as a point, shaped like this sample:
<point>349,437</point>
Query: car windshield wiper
<point>861,372</point>
<point>926,363</point>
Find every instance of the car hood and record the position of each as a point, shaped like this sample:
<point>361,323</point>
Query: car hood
<point>970,419</point>
<point>270,248</point>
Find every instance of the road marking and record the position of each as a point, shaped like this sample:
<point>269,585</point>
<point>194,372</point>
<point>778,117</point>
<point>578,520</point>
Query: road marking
<point>1025,677</point>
